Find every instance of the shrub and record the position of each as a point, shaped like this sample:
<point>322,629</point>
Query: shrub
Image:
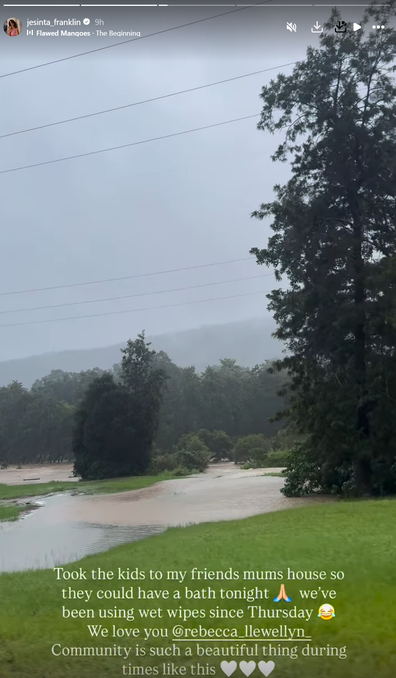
<point>218,442</point>
<point>194,460</point>
<point>165,462</point>
<point>259,457</point>
<point>302,472</point>
<point>245,446</point>
<point>246,466</point>
<point>192,453</point>
<point>277,458</point>
<point>180,471</point>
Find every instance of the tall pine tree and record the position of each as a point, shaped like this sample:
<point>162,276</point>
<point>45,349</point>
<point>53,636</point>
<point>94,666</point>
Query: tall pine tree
<point>334,225</point>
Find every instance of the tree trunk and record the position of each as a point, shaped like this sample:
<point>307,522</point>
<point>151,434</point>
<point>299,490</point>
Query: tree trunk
<point>363,463</point>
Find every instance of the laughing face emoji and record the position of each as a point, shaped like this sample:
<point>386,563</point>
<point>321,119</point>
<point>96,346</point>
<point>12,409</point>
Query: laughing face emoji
<point>326,612</point>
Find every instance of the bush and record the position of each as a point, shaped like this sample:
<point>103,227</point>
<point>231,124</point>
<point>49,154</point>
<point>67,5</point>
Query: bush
<point>302,472</point>
<point>246,466</point>
<point>194,460</point>
<point>165,462</point>
<point>180,472</point>
<point>218,442</point>
<point>246,446</point>
<point>277,458</point>
<point>258,459</point>
<point>192,453</point>
<point>206,437</point>
<point>152,469</point>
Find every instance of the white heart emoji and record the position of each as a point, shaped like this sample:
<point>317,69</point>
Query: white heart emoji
<point>247,667</point>
<point>228,667</point>
<point>266,667</point>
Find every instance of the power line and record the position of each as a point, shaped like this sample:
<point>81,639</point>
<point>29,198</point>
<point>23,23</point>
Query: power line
<point>126,277</point>
<point>139,294</point>
<point>133,310</point>
<point>147,101</point>
<point>134,143</point>
<point>142,37</point>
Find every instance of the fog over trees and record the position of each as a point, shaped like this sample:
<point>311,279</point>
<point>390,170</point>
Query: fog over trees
<point>40,424</point>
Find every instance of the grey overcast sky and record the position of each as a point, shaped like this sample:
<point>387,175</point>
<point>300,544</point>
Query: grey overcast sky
<point>173,203</point>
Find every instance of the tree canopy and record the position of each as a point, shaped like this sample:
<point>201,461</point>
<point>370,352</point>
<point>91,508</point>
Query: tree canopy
<point>117,420</point>
<point>334,238</point>
<point>145,404</point>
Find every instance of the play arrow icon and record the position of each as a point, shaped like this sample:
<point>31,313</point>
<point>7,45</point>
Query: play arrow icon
<point>356,27</point>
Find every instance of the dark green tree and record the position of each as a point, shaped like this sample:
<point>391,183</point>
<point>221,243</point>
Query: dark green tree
<point>170,426</point>
<point>46,430</point>
<point>248,446</point>
<point>105,441</point>
<point>14,404</point>
<point>91,458</point>
<point>218,442</point>
<point>117,420</point>
<point>144,380</point>
<point>68,387</point>
<point>334,225</point>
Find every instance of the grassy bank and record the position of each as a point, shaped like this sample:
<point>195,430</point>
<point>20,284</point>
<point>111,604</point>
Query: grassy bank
<point>86,487</point>
<point>356,538</point>
<point>10,512</point>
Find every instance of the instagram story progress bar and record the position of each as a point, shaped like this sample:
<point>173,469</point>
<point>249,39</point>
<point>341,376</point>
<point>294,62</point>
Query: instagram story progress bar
<point>90,5</point>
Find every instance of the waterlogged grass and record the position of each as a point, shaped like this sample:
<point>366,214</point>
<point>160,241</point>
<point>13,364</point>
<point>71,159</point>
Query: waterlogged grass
<point>87,487</point>
<point>10,513</point>
<point>355,538</point>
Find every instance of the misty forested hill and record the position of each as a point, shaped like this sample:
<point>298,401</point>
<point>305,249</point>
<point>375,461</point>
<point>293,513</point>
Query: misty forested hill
<point>248,342</point>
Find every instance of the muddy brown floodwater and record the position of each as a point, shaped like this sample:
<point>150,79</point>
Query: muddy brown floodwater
<point>68,527</point>
<point>222,493</point>
<point>37,473</point>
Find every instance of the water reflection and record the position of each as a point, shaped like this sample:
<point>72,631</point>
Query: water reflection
<point>42,540</point>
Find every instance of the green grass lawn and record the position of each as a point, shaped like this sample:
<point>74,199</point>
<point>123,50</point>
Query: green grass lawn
<point>87,487</point>
<point>357,538</point>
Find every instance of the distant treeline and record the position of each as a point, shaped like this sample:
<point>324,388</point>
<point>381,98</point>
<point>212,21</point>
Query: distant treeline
<point>37,425</point>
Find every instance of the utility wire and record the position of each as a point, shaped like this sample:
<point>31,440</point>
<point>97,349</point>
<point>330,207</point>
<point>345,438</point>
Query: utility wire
<point>126,277</point>
<point>147,101</point>
<point>139,294</point>
<point>132,310</point>
<point>134,143</point>
<point>142,37</point>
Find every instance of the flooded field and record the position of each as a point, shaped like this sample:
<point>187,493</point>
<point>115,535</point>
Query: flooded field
<point>67,526</point>
<point>37,473</point>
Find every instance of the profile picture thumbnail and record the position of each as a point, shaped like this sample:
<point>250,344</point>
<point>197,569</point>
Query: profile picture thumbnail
<point>12,27</point>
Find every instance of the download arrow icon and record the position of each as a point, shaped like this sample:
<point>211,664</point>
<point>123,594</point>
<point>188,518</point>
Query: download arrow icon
<point>317,28</point>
